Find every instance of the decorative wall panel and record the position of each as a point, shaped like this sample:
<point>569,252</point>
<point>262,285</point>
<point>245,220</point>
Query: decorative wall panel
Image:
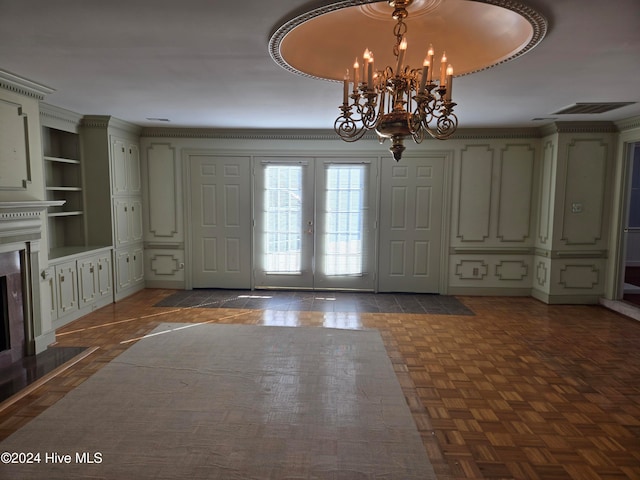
<point>164,264</point>
<point>15,157</point>
<point>584,192</point>
<point>546,200</point>
<point>511,270</point>
<point>579,276</point>
<point>542,274</point>
<point>515,194</point>
<point>471,269</point>
<point>474,196</point>
<point>163,201</point>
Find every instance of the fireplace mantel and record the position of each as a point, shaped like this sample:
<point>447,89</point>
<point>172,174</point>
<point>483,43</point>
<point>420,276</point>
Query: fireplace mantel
<point>21,221</point>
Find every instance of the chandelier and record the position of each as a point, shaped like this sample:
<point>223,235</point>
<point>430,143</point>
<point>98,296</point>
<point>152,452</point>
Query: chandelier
<point>397,103</point>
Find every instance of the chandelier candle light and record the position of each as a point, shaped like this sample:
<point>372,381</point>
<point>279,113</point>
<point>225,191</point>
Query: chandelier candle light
<point>398,103</point>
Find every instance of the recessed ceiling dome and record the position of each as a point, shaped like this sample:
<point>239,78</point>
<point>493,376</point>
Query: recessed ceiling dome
<point>475,34</point>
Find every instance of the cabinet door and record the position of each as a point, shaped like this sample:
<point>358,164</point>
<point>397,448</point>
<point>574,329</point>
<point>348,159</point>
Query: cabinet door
<point>87,281</point>
<point>104,283</point>
<point>66,287</point>
<point>138,265</point>
<point>123,270</point>
<point>121,213</point>
<point>135,223</point>
<point>119,162</point>
<point>133,170</point>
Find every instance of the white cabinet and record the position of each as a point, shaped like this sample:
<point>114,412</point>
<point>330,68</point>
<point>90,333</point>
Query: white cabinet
<point>127,214</point>
<point>125,167</point>
<point>66,288</point>
<point>129,269</point>
<point>114,195</point>
<point>79,285</point>
<point>94,278</point>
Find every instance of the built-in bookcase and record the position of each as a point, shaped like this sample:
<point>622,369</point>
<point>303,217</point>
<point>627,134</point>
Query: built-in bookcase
<point>63,180</point>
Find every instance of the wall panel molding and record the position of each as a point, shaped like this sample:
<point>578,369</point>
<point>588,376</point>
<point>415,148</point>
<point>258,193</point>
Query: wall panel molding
<point>515,193</point>
<point>585,182</point>
<point>546,190</point>
<point>474,195</point>
<point>15,154</point>
<point>162,198</point>
<point>579,276</point>
<point>507,270</point>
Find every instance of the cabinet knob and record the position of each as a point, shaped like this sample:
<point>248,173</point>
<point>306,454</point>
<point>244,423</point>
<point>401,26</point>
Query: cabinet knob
<point>125,209</point>
<point>62,278</point>
<point>100,267</point>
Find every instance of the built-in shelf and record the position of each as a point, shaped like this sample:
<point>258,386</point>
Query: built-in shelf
<point>65,214</point>
<point>64,189</point>
<point>62,160</point>
<point>63,181</point>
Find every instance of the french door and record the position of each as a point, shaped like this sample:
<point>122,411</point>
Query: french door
<point>314,223</point>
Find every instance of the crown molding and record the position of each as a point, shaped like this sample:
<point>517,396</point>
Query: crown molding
<point>628,124</point>
<point>106,121</point>
<point>23,86</point>
<point>578,127</point>
<point>238,134</point>
<point>50,114</point>
<point>320,134</point>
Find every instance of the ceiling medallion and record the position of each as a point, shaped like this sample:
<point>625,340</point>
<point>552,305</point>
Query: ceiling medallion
<point>398,101</point>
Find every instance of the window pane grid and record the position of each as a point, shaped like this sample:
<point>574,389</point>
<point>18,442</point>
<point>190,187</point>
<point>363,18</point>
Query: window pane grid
<point>283,219</point>
<point>345,220</point>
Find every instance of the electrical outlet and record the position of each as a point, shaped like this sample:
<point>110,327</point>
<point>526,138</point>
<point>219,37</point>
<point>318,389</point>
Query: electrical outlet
<point>576,207</point>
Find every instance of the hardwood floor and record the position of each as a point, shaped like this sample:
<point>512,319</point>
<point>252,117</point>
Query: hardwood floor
<point>520,390</point>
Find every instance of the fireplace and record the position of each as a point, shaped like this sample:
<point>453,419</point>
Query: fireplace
<point>21,326</point>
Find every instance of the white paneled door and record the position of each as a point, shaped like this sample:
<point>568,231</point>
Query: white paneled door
<point>314,223</point>
<point>220,221</point>
<point>411,202</point>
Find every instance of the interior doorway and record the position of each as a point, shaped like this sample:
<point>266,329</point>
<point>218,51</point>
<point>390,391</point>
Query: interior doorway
<point>631,265</point>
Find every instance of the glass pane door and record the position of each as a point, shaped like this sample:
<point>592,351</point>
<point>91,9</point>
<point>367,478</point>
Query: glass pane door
<point>284,224</point>
<point>344,210</point>
<point>313,226</point>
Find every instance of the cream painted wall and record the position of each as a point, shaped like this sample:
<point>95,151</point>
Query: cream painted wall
<point>573,234</point>
<point>492,200</point>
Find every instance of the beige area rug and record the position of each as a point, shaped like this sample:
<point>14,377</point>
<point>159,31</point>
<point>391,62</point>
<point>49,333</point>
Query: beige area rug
<point>230,402</point>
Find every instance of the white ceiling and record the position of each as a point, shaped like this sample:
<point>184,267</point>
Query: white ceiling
<point>205,63</point>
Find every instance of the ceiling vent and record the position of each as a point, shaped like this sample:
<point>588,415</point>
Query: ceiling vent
<point>591,108</point>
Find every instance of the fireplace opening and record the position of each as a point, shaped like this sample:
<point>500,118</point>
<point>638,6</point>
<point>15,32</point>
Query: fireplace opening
<point>12,328</point>
<point>5,331</point>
